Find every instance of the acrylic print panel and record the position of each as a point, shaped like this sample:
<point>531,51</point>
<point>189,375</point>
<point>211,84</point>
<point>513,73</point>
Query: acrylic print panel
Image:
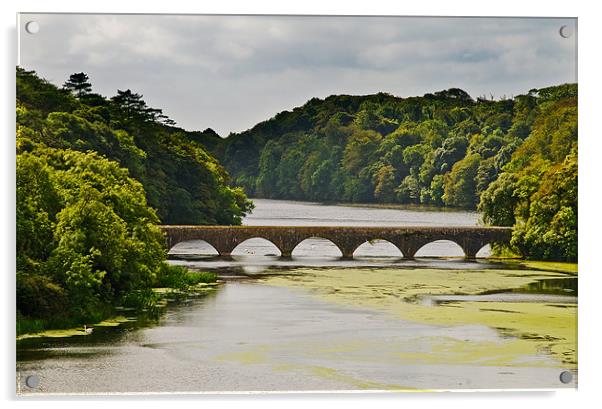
<point>295,203</point>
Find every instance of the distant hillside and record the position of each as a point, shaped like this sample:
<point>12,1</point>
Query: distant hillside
<point>514,159</point>
<point>445,149</point>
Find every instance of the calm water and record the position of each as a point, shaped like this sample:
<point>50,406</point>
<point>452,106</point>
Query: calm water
<point>255,255</point>
<point>292,333</point>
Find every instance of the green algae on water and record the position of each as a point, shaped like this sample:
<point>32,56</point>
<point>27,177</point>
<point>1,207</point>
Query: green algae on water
<point>71,332</point>
<point>535,328</point>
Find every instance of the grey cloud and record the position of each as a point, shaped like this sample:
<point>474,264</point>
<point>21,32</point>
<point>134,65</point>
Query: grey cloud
<point>230,72</point>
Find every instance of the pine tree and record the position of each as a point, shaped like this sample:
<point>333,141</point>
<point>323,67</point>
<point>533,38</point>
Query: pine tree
<point>78,84</point>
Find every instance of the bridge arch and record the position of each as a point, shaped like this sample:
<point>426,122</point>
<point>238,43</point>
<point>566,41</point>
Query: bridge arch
<point>377,242</point>
<point>237,250</point>
<point>484,251</point>
<point>437,248</point>
<point>303,242</point>
<point>210,249</point>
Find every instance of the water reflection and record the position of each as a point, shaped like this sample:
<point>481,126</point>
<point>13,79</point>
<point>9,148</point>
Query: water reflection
<point>283,212</point>
<point>259,337</point>
<point>561,286</point>
<point>252,336</point>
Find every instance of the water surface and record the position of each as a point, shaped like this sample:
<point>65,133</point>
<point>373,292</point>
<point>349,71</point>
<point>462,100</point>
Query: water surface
<point>314,322</point>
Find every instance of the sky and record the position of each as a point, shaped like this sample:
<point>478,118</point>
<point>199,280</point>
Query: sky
<point>230,72</point>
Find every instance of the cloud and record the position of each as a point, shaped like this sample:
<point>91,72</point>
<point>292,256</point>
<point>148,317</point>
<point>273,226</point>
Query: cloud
<point>230,72</point>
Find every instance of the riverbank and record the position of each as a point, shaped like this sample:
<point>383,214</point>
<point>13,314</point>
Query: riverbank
<point>178,282</point>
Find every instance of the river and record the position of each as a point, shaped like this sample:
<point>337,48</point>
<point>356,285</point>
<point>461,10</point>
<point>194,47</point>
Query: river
<point>316,323</point>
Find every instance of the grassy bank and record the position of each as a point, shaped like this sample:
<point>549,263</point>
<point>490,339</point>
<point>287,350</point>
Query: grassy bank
<point>173,281</point>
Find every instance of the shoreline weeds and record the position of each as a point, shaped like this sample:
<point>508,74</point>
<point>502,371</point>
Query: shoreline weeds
<point>166,297</point>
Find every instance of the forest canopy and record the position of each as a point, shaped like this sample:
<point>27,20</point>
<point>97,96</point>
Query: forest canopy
<point>85,235</point>
<point>182,180</point>
<point>514,159</point>
<point>95,175</point>
<point>95,178</point>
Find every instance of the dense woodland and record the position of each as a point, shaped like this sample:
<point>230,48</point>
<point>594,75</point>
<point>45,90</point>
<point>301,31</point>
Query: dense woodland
<point>514,159</point>
<point>95,176</point>
<point>182,181</point>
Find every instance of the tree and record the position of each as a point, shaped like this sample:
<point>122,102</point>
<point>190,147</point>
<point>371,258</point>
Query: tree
<point>136,110</point>
<point>550,231</point>
<point>131,104</point>
<point>460,184</point>
<point>498,202</point>
<point>85,234</point>
<point>78,84</point>
<point>167,161</point>
<point>384,184</point>
<point>409,190</point>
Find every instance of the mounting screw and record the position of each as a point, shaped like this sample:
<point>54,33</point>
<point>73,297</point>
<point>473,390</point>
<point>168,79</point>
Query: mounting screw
<point>32,381</point>
<point>32,27</point>
<point>566,376</point>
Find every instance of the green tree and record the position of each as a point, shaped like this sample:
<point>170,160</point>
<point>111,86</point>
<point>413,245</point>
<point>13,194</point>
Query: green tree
<point>182,180</point>
<point>550,231</point>
<point>498,202</point>
<point>79,84</point>
<point>460,185</point>
<point>408,190</point>
<point>385,184</point>
<point>84,233</point>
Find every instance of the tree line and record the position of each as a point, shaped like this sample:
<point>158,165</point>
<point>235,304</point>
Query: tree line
<point>514,159</point>
<point>95,176</point>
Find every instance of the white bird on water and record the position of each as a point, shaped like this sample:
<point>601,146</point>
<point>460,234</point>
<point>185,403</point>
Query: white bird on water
<point>88,330</point>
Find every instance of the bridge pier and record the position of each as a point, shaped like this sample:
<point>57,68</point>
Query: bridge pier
<point>408,248</point>
<point>472,246</point>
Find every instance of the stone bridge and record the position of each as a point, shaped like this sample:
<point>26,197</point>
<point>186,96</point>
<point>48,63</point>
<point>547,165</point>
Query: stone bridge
<point>407,239</point>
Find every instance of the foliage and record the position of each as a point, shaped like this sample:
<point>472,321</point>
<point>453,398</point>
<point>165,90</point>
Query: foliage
<point>78,84</point>
<point>443,148</point>
<point>85,234</point>
<point>181,278</point>
<point>537,190</point>
<point>183,181</point>
<point>460,184</point>
<point>90,173</point>
<point>549,232</point>
<point>502,156</point>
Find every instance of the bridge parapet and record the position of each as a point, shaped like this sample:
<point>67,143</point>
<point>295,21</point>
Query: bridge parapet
<point>347,238</point>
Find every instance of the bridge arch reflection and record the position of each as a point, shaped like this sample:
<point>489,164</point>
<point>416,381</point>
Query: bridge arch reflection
<point>440,248</point>
<point>201,247</point>
<point>373,247</point>
<point>299,247</point>
<point>256,242</point>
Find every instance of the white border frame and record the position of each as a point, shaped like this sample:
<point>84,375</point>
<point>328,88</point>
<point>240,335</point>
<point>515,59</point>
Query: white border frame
<point>589,141</point>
